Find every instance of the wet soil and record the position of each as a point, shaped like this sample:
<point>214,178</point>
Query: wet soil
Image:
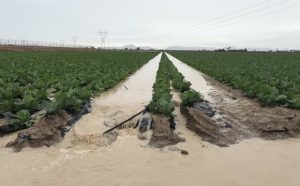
<point>45,132</point>
<point>226,130</point>
<point>163,132</point>
<point>3,121</point>
<point>266,122</point>
<point>236,117</point>
<point>4,127</point>
<point>207,128</point>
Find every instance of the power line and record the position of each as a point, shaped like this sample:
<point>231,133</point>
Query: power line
<point>74,38</point>
<point>215,21</point>
<point>233,18</point>
<point>241,21</point>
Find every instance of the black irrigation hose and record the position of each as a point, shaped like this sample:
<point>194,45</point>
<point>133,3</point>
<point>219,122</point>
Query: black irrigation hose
<point>122,123</point>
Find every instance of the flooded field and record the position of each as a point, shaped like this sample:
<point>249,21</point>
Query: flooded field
<point>116,105</point>
<point>194,76</point>
<point>85,158</point>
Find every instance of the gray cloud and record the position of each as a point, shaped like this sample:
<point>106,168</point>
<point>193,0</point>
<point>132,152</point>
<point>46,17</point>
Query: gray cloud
<point>272,24</point>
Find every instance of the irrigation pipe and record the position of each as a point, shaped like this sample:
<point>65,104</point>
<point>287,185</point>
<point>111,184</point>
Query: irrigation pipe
<point>122,123</point>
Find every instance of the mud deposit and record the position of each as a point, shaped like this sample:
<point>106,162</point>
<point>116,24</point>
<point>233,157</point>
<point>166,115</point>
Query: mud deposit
<point>164,132</point>
<point>45,132</point>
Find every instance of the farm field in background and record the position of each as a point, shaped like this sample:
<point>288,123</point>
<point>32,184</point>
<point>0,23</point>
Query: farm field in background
<point>272,77</point>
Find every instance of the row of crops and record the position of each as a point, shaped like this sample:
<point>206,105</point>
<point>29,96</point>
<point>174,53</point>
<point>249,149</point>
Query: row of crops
<point>167,77</point>
<point>54,81</point>
<point>273,78</point>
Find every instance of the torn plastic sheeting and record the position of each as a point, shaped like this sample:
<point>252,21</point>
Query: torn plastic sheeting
<point>205,107</point>
<point>87,108</point>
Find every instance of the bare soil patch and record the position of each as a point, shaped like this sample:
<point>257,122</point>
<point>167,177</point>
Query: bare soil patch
<point>207,128</point>
<point>45,132</point>
<point>3,124</point>
<point>163,132</point>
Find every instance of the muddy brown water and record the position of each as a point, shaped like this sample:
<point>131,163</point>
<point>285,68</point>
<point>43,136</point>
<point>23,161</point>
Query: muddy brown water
<point>194,76</point>
<point>115,106</point>
<point>130,161</point>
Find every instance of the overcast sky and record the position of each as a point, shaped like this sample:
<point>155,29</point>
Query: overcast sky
<point>156,23</point>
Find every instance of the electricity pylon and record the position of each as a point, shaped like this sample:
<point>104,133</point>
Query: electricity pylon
<point>74,38</point>
<point>103,35</point>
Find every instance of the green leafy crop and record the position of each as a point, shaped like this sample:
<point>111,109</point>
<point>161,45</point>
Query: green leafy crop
<point>21,120</point>
<point>190,97</point>
<point>32,81</point>
<point>167,76</point>
<point>161,102</point>
<point>272,77</point>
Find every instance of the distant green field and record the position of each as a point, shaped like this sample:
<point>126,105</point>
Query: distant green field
<point>274,78</point>
<point>31,81</point>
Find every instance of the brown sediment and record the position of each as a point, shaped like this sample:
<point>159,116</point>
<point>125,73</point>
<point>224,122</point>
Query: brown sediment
<point>237,117</point>
<point>3,121</point>
<point>163,134</point>
<point>266,122</point>
<point>271,122</point>
<point>45,132</point>
<point>205,127</point>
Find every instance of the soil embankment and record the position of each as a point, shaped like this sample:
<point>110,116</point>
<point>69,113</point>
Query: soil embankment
<point>164,132</point>
<point>45,132</point>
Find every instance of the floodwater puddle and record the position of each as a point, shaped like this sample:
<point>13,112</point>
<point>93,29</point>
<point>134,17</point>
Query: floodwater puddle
<point>194,76</point>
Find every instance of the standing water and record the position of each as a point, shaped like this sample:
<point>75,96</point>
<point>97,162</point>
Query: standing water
<point>192,75</point>
<point>116,105</point>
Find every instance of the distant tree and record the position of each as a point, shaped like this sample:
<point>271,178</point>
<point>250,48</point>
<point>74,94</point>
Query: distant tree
<point>220,50</point>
